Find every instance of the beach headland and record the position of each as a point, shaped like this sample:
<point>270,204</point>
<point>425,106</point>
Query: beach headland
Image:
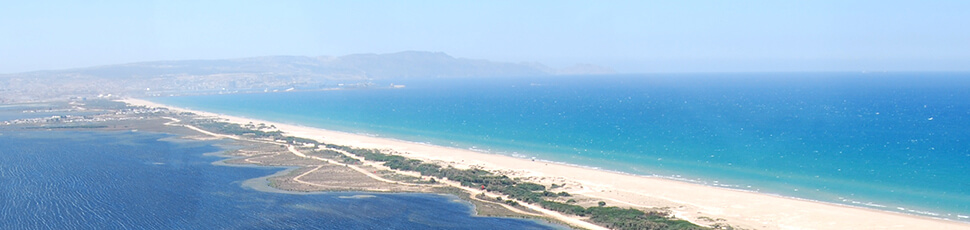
<point>701,204</point>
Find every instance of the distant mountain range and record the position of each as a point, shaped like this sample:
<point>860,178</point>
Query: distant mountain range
<point>259,74</point>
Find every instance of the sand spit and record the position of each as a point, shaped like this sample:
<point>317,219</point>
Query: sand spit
<point>697,203</point>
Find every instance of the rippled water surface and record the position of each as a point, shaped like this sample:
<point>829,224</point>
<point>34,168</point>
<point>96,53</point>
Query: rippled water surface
<point>893,141</point>
<point>133,180</point>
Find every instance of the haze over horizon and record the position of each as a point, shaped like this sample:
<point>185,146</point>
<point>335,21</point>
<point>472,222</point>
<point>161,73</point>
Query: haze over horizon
<point>630,37</point>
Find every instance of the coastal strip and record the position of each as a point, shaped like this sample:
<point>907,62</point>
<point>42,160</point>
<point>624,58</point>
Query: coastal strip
<point>697,203</point>
<point>572,221</point>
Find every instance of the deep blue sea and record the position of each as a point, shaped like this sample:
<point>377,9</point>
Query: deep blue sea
<point>891,141</point>
<point>138,180</point>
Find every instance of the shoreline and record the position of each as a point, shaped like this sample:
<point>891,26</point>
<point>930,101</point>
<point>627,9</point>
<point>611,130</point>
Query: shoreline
<point>689,201</point>
<point>868,205</point>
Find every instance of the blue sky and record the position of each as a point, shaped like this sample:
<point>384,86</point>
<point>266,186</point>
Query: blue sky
<point>630,36</point>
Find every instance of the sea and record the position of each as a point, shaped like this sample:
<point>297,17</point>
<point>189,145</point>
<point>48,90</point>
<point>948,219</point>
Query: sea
<point>891,141</point>
<point>63,179</point>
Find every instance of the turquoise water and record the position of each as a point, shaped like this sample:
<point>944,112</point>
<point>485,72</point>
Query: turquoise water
<point>898,141</point>
<point>137,180</point>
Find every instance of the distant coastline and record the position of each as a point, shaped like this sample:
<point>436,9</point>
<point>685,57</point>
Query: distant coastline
<point>259,74</point>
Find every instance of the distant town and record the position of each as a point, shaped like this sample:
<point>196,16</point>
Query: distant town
<point>258,75</point>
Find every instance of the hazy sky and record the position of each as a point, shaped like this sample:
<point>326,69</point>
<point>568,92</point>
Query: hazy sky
<point>630,36</point>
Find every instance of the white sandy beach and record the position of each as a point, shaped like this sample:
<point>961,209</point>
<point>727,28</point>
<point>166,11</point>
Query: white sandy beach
<point>689,201</point>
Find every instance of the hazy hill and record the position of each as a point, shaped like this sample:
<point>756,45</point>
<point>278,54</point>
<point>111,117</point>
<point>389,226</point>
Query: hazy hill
<point>257,74</point>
